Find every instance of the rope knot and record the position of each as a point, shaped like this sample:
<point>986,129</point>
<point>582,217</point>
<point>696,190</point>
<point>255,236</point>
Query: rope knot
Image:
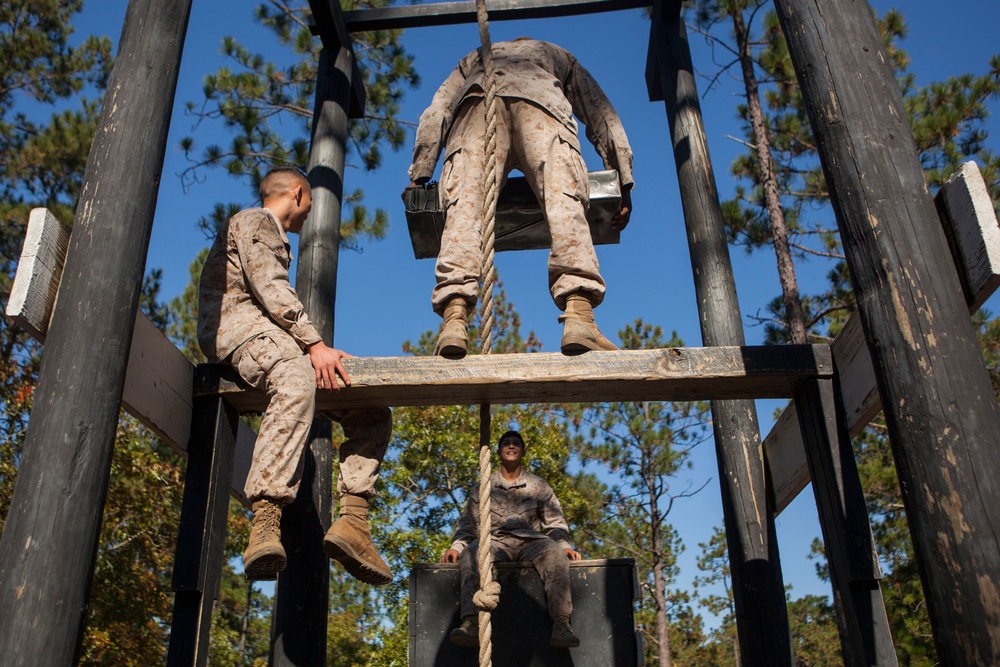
<point>487,598</point>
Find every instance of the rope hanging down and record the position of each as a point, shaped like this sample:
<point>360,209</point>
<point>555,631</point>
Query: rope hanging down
<point>488,595</point>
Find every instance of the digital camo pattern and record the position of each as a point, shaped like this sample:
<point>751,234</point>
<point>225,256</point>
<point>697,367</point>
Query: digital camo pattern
<point>245,289</point>
<point>273,363</point>
<point>540,87</point>
<point>250,317</point>
<point>542,73</point>
<point>549,156</point>
<point>527,524</point>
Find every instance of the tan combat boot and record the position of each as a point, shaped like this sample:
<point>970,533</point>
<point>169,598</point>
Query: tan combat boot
<point>580,333</point>
<point>453,341</point>
<point>562,634</point>
<point>349,542</point>
<point>467,634</point>
<point>264,557</point>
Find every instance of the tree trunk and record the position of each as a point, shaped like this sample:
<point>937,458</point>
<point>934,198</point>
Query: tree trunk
<point>776,216</point>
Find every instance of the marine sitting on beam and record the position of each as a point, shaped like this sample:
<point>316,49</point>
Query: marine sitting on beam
<point>250,317</point>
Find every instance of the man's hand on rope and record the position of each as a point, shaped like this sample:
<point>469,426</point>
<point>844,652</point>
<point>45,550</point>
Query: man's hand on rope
<point>573,555</point>
<point>620,220</point>
<point>450,556</point>
<point>326,361</point>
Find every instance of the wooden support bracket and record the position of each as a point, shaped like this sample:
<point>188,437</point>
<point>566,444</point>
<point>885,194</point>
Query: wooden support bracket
<point>971,225</point>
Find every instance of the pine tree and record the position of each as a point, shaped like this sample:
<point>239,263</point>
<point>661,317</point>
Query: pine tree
<point>256,100</point>
<point>41,164</point>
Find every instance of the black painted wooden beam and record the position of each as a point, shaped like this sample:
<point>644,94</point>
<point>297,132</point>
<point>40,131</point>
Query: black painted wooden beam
<point>329,26</point>
<point>452,13</point>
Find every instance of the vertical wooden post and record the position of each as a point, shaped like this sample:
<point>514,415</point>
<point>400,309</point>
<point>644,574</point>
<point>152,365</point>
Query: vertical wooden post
<point>941,412</point>
<point>201,538</point>
<point>302,597</point>
<point>50,539</point>
<point>847,536</point>
<point>762,619</point>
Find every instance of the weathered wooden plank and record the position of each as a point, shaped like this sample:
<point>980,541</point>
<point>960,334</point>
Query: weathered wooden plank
<point>623,375</point>
<point>847,536</point>
<point>158,384</point>
<point>201,537</point>
<point>966,212</point>
<point>452,13</point>
<point>33,293</point>
<point>973,232</point>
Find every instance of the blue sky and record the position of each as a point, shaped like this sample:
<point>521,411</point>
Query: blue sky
<point>383,295</point>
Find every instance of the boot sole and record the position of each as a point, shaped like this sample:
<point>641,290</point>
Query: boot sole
<point>346,556</point>
<point>265,567</point>
<point>565,644</point>
<point>572,346</point>
<point>463,640</point>
<point>451,349</point>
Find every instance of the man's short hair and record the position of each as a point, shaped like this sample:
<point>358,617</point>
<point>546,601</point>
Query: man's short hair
<point>280,180</point>
<point>512,434</point>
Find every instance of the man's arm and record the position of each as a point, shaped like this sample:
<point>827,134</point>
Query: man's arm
<point>433,127</point>
<point>553,522</point>
<point>467,529</point>
<point>604,130</point>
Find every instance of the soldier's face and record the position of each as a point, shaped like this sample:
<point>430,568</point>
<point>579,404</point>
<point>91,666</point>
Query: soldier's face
<point>511,450</point>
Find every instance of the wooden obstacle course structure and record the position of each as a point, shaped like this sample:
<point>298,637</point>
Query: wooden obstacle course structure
<point>824,423</point>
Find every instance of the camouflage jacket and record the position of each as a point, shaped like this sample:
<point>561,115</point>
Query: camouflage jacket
<point>245,290</point>
<point>539,72</point>
<point>526,508</point>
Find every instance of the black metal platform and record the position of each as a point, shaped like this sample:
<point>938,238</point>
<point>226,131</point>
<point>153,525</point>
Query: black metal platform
<point>604,593</point>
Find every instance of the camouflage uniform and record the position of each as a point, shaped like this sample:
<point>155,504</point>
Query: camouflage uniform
<point>527,524</point>
<point>250,317</point>
<point>539,87</point>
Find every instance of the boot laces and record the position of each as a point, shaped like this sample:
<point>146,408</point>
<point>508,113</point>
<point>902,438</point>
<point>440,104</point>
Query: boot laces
<point>267,520</point>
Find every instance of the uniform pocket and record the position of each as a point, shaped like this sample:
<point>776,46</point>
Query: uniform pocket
<point>260,355</point>
<point>451,178</point>
<point>575,182</point>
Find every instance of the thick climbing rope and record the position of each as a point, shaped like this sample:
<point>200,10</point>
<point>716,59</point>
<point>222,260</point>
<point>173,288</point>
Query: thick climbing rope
<point>488,595</point>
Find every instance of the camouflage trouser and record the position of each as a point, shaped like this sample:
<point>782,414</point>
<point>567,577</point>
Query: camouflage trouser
<point>548,154</point>
<point>274,363</point>
<point>546,555</point>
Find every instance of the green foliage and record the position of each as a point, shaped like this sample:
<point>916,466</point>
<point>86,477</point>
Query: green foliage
<point>949,121</point>
<point>131,600</point>
<point>257,100</point>
<point>813,624</point>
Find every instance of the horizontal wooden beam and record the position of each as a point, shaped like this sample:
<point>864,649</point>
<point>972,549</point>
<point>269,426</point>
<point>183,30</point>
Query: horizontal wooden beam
<point>452,13</point>
<point>970,223</point>
<point>672,374</point>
